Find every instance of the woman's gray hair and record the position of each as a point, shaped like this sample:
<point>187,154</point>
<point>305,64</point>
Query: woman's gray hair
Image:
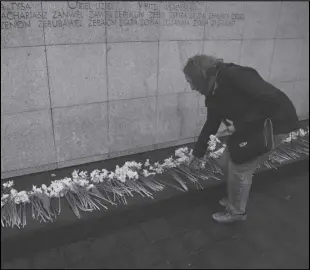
<point>199,64</point>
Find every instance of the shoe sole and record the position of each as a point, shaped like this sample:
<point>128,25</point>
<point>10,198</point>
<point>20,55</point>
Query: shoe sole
<point>243,218</point>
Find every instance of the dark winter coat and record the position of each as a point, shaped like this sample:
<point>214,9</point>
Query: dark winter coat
<point>244,97</point>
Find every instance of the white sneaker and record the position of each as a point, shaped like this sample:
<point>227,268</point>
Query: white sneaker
<point>226,217</point>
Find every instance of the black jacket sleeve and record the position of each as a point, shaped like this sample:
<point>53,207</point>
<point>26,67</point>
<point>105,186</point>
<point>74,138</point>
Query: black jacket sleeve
<point>210,128</point>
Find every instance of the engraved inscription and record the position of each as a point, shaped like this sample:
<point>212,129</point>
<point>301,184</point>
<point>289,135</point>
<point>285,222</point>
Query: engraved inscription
<point>19,15</point>
<point>183,14</point>
<point>224,19</point>
<point>75,14</point>
<point>143,14</point>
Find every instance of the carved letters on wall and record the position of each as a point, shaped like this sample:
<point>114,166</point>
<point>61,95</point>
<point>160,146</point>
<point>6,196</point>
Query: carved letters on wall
<point>98,14</point>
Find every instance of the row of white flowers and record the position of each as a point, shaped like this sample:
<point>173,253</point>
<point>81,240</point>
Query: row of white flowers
<point>88,192</point>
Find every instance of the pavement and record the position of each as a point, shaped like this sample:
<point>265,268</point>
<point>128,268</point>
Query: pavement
<point>179,233</point>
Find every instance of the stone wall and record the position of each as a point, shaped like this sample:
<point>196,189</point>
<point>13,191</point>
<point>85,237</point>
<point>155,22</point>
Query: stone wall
<point>85,81</point>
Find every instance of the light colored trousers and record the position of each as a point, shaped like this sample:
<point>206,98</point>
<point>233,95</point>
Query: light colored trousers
<point>239,178</point>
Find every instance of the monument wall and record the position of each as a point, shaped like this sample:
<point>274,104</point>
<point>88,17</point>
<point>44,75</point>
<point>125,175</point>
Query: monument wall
<point>86,81</point>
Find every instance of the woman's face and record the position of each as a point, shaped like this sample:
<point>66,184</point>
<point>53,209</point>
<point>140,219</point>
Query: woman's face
<point>203,86</point>
<point>193,86</point>
<point>188,79</point>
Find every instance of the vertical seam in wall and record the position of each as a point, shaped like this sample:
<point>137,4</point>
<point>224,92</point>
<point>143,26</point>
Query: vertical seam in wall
<point>107,77</point>
<point>157,78</point>
<point>278,19</point>
<point>244,22</point>
<point>274,43</point>
<point>272,59</point>
<point>205,28</point>
<point>242,34</point>
<point>49,90</point>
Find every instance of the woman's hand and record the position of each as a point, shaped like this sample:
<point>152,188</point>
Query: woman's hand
<point>230,128</point>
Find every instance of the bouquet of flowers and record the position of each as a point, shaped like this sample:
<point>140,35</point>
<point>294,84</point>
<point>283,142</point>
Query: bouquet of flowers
<point>207,168</point>
<point>13,206</point>
<point>294,147</point>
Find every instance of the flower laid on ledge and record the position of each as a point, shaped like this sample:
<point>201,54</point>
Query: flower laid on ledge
<point>100,188</point>
<point>214,150</point>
